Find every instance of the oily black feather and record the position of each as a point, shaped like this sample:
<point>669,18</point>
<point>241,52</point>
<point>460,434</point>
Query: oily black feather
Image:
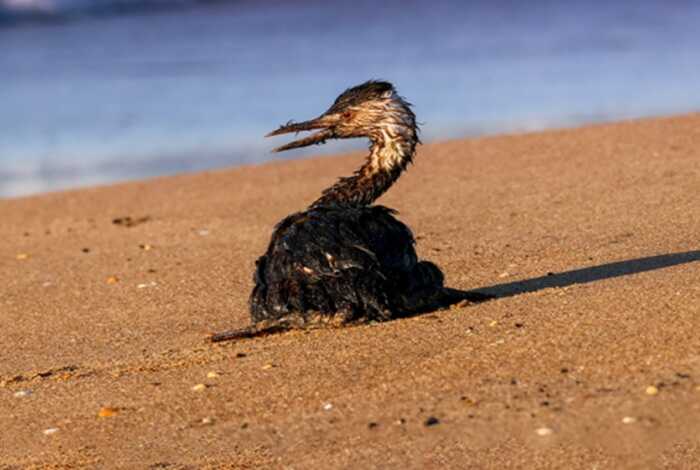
<point>354,263</point>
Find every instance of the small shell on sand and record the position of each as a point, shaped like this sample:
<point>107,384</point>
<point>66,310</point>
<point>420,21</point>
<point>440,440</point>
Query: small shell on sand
<point>629,420</point>
<point>199,387</point>
<point>212,375</point>
<point>49,431</point>
<point>149,284</point>
<point>544,431</point>
<point>651,390</point>
<point>22,393</point>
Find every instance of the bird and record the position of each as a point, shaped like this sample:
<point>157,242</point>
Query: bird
<point>344,259</point>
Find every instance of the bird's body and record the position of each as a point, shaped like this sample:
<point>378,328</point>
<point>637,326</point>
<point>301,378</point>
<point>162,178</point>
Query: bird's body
<point>344,259</point>
<point>341,264</point>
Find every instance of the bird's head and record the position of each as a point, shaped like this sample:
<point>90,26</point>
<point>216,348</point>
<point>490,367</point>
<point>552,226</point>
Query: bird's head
<point>372,109</point>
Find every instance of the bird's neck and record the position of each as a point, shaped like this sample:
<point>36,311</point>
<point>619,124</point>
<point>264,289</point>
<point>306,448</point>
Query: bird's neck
<point>392,149</point>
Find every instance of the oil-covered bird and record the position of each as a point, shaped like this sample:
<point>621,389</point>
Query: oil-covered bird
<point>343,259</point>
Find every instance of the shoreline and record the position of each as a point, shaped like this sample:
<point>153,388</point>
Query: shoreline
<point>221,164</point>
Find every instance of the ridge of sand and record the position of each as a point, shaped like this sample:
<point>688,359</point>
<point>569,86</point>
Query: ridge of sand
<point>589,236</point>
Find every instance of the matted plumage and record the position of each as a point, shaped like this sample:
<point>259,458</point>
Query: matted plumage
<point>345,260</point>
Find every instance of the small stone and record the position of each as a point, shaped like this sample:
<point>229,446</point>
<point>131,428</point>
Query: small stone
<point>212,375</point>
<point>268,366</point>
<point>372,425</point>
<point>629,420</point>
<point>328,406</point>
<point>504,275</point>
<point>651,390</point>
<point>199,387</point>
<point>49,431</point>
<point>22,256</point>
<point>203,232</point>
<point>544,431</point>
<point>47,284</point>
<point>493,323</point>
<point>241,354</point>
<point>207,420</point>
<point>148,284</point>
<point>112,280</point>
<point>22,393</point>
<point>146,247</point>
<point>431,421</point>
<point>107,412</point>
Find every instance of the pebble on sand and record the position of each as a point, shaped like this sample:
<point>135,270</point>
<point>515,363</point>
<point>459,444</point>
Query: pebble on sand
<point>651,390</point>
<point>328,406</point>
<point>112,280</point>
<point>431,421</point>
<point>544,431</point>
<point>49,431</point>
<point>212,375</point>
<point>22,393</point>
<point>207,420</point>
<point>107,412</point>
<point>22,256</point>
<point>199,387</point>
<point>629,420</point>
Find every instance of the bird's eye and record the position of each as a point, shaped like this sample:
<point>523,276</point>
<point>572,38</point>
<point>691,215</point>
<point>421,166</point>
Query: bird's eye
<point>347,115</point>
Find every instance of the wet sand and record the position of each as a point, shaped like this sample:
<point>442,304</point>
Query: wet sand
<point>588,358</point>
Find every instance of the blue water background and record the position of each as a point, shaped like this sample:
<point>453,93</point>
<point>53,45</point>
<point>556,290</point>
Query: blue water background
<point>98,91</point>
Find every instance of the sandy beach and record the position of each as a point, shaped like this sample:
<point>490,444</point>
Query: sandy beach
<point>589,357</point>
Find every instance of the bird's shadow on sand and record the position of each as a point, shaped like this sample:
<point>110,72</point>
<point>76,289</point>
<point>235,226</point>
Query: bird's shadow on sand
<point>586,275</point>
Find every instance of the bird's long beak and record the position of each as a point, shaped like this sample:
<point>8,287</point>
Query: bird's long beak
<point>324,122</point>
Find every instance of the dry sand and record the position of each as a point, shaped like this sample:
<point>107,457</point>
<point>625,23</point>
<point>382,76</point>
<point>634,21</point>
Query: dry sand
<point>589,237</point>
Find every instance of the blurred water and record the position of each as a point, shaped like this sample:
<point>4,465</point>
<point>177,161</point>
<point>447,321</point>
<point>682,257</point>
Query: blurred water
<point>90,96</point>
